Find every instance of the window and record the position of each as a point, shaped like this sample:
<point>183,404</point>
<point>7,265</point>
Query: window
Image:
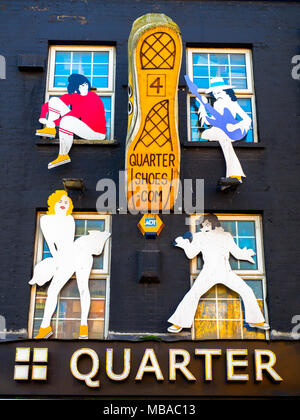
<point>66,319</point>
<point>220,313</point>
<point>235,67</point>
<point>96,63</point>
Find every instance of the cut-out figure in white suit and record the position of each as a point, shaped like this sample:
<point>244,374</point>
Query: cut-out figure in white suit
<point>216,245</point>
<point>68,257</point>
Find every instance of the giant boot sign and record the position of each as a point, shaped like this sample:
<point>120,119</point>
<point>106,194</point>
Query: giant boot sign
<point>152,144</point>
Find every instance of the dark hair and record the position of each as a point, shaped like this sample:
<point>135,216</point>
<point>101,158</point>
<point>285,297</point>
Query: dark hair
<point>230,93</point>
<point>213,219</point>
<point>75,80</point>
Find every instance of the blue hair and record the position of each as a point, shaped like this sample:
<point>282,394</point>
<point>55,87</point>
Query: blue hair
<point>75,80</point>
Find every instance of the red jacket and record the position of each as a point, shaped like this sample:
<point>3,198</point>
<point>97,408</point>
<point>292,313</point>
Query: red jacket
<point>89,109</point>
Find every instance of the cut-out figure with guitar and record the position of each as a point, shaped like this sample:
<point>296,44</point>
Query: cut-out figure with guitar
<point>223,124</point>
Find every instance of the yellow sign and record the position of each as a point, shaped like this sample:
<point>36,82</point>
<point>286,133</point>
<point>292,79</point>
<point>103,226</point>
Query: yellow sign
<point>152,144</point>
<point>150,225</point>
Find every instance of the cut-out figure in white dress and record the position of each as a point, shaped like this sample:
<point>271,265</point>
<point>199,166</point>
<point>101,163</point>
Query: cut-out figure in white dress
<point>216,245</point>
<point>68,257</point>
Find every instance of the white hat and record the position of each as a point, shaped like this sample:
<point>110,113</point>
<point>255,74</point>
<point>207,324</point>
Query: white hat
<point>217,83</point>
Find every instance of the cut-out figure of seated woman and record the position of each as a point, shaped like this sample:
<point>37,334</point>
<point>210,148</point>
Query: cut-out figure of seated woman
<point>85,118</point>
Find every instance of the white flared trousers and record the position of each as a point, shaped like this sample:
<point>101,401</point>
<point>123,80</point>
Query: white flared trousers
<point>233,166</point>
<point>185,312</point>
<point>69,126</point>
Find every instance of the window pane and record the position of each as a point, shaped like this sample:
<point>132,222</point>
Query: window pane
<point>67,329</point>
<point>82,57</point>
<point>61,81</point>
<point>70,289</point>
<point>220,71</point>
<point>195,134</point>
<point>62,69</point>
<point>63,57</point>
<point>98,262</point>
<point>256,286</point>
<point>97,288</point>
<point>201,71</point>
<point>95,225</point>
<point>229,309</point>
<point>69,308</point>
<point>46,251</point>
<point>206,330</point>
<point>238,59</point>
<point>101,57</point>
<point>107,106</point>
<point>200,58</point>
<point>249,243</point>
<point>246,105</point>
<point>100,69</point>
<point>249,138</point>
<point>96,329</point>
<point>246,228</point>
<point>223,292</point>
<point>206,309</point>
<point>80,227</point>
<point>41,291</point>
<point>218,58</point>
<point>230,330</point>
<point>100,82</point>
<point>237,71</point>
<point>202,83</point>
<point>229,226</point>
<point>239,83</point>
<point>97,309</point>
<point>194,119</point>
<point>39,308</point>
<point>234,264</point>
<point>85,69</point>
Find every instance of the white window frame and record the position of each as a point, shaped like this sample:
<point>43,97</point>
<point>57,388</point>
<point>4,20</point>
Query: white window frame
<point>109,91</point>
<point>248,93</point>
<point>101,274</point>
<point>258,274</point>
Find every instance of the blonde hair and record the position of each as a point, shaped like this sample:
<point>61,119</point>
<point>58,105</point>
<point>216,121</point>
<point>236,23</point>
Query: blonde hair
<point>54,198</point>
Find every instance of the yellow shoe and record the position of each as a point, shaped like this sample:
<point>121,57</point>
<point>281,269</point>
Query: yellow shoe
<point>60,160</point>
<point>46,132</point>
<point>174,329</point>
<point>83,332</point>
<point>152,143</point>
<point>260,325</point>
<point>44,333</point>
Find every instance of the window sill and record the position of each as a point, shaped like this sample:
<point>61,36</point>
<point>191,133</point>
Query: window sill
<point>237,144</point>
<point>50,142</point>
